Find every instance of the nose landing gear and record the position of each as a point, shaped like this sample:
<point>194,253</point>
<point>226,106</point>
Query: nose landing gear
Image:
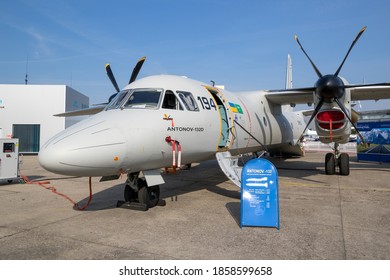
<point>138,195</point>
<point>341,160</point>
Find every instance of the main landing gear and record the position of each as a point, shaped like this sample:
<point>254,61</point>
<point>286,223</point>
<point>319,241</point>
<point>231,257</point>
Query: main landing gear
<point>337,159</point>
<point>138,196</point>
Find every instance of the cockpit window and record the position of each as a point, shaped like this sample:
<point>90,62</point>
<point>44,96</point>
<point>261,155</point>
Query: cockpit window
<point>188,100</point>
<point>117,100</point>
<point>143,98</point>
<point>136,98</point>
<point>171,102</point>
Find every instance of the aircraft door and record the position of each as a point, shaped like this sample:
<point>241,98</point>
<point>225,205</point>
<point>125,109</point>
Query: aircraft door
<point>225,125</point>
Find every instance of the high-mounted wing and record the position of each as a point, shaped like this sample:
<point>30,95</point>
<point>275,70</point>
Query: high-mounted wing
<point>305,95</point>
<point>291,96</point>
<point>82,112</point>
<point>370,92</point>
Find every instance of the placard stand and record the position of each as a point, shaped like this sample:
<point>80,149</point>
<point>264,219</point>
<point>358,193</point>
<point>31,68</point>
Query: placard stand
<point>259,194</point>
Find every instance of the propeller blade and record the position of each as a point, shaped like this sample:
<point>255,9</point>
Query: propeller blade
<point>350,48</point>
<point>315,112</point>
<point>136,69</point>
<point>312,63</point>
<point>111,77</point>
<point>341,105</point>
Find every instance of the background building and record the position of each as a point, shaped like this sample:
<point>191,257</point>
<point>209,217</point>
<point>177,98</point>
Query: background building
<point>26,112</point>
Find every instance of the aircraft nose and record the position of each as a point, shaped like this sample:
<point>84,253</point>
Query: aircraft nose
<point>90,148</point>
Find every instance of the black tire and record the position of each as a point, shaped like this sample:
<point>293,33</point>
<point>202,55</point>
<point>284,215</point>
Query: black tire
<point>330,164</point>
<point>130,194</point>
<point>148,195</point>
<point>344,164</point>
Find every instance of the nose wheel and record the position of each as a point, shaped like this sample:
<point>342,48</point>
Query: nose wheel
<point>138,195</point>
<point>337,159</point>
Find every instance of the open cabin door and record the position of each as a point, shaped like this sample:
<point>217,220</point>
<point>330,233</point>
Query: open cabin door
<point>223,109</point>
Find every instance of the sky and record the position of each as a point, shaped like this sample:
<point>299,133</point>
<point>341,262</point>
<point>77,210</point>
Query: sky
<point>240,44</point>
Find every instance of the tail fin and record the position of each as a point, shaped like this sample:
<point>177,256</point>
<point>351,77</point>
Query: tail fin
<point>289,82</point>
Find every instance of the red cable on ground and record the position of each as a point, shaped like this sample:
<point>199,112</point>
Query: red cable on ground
<point>54,190</point>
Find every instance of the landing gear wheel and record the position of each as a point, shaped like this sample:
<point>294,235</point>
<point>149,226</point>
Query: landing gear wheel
<point>148,195</point>
<point>330,164</point>
<point>130,194</point>
<point>344,164</point>
<point>138,196</point>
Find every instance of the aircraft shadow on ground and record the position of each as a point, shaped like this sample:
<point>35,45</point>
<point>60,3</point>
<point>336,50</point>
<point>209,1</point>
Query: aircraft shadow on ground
<point>176,185</point>
<point>234,209</point>
<point>182,183</point>
<point>188,181</point>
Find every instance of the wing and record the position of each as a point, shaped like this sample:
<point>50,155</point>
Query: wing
<point>292,96</point>
<point>82,112</point>
<point>305,95</point>
<point>370,93</point>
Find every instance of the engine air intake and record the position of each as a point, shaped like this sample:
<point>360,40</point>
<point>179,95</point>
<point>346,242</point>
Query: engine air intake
<point>331,119</point>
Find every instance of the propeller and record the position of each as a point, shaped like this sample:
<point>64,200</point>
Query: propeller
<point>331,87</point>
<point>308,57</point>
<point>136,69</point>
<point>342,107</point>
<point>133,76</point>
<point>111,77</point>
<point>350,48</point>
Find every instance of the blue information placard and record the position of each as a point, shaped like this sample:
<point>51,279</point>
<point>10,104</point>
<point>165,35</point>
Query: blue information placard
<point>259,194</point>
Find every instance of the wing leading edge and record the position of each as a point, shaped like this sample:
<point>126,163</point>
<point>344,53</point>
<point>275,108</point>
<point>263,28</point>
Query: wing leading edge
<point>305,95</point>
<point>82,112</point>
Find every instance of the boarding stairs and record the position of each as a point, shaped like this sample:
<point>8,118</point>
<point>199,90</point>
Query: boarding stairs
<point>232,165</point>
<point>229,166</point>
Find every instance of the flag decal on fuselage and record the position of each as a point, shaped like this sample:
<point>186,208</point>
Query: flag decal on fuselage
<point>235,108</point>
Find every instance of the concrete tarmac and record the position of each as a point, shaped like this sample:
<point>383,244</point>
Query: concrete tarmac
<point>321,217</point>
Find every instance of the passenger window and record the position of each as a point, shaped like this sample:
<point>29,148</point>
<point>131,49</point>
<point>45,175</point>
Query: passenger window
<point>170,101</point>
<point>188,100</point>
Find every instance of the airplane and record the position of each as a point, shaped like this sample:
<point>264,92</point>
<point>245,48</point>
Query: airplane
<point>311,135</point>
<point>165,121</point>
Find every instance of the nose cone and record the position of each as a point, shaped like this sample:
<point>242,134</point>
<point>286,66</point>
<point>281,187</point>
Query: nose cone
<point>89,148</point>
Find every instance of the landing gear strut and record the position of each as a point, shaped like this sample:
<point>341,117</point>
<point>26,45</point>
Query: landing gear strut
<point>138,196</point>
<point>341,160</point>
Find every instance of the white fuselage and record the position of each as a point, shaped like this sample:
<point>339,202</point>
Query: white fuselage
<point>126,139</point>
